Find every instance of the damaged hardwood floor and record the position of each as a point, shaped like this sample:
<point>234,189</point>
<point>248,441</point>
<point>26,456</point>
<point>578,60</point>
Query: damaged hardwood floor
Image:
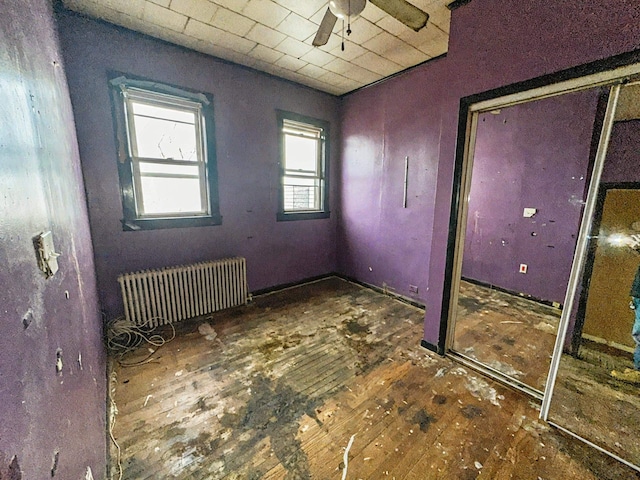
<point>294,384</point>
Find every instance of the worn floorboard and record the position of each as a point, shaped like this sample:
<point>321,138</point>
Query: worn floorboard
<point>508,333</point>
<point>277,389</point>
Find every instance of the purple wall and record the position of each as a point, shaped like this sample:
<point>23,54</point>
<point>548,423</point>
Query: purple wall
<point>245,104</point>
<point>45,414</point>
<point>530,155</point>
<point>622,163</point>
<point>492,43</point>
<point>381,242</point>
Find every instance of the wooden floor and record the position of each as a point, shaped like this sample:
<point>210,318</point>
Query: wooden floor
<point>509,333</point>
<point>590,402</point>
<point>290,385</point>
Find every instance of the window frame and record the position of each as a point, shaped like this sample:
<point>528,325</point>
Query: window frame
<point>323,164</point>
<point>122,89</point>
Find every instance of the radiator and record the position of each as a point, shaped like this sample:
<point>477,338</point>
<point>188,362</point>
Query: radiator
<point>168,295</point>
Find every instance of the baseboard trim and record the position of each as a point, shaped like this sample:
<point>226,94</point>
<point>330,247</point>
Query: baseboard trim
<point>285,286</point>
<point>431,347</point>
<point>526,296</point>
<point>375,288</point>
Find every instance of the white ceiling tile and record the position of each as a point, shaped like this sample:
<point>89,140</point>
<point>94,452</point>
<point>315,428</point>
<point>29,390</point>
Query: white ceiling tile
<point>351,51</point>
<point>297,27</point>
<point>377,64</point>
<point>235,5</point>
<point>218,37</point>
<point>294,47</point>
<point>407,56</point>
<point>439,15</point>
<point>290,63</point>
<point>333,79</point>
<point>317,57</point>
<point>246,32</point>
<point>335,40</point>
<point>363,30</point>
<point>338,65</point>
<point>266,12</point>
<point>88,7</point>
<point>311,71</point>
<point>265,54</point>
<point>163,3</point>
<point>373,13</point>
<point>395,50</point>
<point>268,67</point>
<point>234,42</point>
<point>319,15</point>
<point>265,35</point>
<point>163,16</point>
<point>362,75</point>
<point>133,8</point>
<point>202,10</point>
<point>199,30</point>
<point>228,54</point>
<point>304,8</point>
<point>430,40</point>
<point>391,25</point>
<point>232,22</point>
<point>353,72</point>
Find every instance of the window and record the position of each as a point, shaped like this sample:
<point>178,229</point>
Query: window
<point>304,167</point>
<point>166,155</point>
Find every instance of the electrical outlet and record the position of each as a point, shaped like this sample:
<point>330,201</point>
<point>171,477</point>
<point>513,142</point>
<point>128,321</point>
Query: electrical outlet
<point>413,288</point>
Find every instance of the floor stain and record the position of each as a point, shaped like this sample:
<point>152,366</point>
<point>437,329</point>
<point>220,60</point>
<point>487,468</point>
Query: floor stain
<point>471,411</point>
<point>274,410</point>
<point>354,327</point>
<point>423,419</point>
<point>439,399</point>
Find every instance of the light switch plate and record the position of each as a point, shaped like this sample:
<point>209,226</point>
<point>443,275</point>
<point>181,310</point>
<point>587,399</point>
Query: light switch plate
<point>47,256</point>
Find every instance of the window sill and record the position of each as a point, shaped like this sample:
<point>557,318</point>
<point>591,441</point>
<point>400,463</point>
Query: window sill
<point>163,223</point>
<point>289,216</point>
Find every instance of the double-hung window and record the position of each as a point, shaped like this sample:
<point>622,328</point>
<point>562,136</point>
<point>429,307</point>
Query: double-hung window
<point>303,167</point>
<point>167,155</point>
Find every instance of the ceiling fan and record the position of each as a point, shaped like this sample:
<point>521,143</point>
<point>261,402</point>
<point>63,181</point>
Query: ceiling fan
<point>401,10</point>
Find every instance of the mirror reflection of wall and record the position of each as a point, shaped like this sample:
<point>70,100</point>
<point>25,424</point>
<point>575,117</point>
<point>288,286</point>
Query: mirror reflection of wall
<point>596,394</point>
<point>528,185</point>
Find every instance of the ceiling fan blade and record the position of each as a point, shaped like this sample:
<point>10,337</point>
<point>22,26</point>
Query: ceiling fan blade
<point>326,27</point>
<point>404,12</point>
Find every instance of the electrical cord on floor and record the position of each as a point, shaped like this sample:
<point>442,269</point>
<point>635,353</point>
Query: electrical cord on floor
<point>124,337</point>
<point>112,422</point>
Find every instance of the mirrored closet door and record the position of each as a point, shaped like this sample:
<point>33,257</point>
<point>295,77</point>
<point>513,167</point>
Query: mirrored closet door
<point>546,215</point>
<point>596,393</point>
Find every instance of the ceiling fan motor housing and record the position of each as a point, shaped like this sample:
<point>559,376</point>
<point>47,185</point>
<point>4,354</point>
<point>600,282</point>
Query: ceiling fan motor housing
<point>345,9</point>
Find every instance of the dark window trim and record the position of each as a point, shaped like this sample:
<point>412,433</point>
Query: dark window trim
<point>283,216</point>
<point>130,220</point>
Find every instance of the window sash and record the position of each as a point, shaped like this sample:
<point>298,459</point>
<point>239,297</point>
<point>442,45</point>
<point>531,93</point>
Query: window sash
<point>170,102</point>
<point>303,197</point>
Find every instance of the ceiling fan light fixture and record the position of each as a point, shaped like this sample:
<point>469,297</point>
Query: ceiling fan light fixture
<point>345,9</point>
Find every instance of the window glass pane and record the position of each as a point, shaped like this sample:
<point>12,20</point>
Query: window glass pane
<point>151,168</point>
<point>301,194</point>
<point>159,138</point>
<point>165,113</point>
<point>170,195</point>
<point>300,153</point>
